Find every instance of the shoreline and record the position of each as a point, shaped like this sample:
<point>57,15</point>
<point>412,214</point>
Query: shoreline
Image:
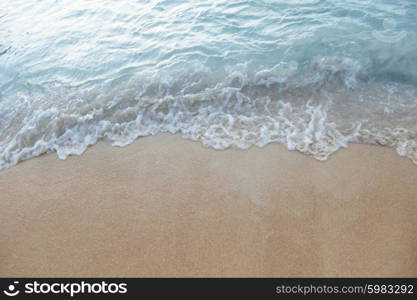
<point>165,206</point>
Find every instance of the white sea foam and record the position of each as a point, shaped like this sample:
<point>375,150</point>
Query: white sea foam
<point>315,112</point>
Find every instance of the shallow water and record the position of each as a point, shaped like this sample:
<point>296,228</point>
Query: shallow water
<point>313,75</point>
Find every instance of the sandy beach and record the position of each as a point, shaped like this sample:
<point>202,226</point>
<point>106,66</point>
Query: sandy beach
<point>165,206</point>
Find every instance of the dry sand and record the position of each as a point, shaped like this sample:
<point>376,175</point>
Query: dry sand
<point>165,206</point>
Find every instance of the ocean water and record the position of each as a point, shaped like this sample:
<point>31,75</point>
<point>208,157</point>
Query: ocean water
<point>313,75</point>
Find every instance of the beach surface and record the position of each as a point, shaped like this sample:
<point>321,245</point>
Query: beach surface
<point>165,206</point>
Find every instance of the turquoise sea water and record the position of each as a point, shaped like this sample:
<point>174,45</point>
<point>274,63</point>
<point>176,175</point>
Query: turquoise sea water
<point>314,75</point>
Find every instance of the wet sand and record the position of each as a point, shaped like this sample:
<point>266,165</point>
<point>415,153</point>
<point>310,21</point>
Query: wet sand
<point>165,206</point>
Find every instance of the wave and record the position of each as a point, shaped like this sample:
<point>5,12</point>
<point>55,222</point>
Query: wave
<point>315,108</point>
